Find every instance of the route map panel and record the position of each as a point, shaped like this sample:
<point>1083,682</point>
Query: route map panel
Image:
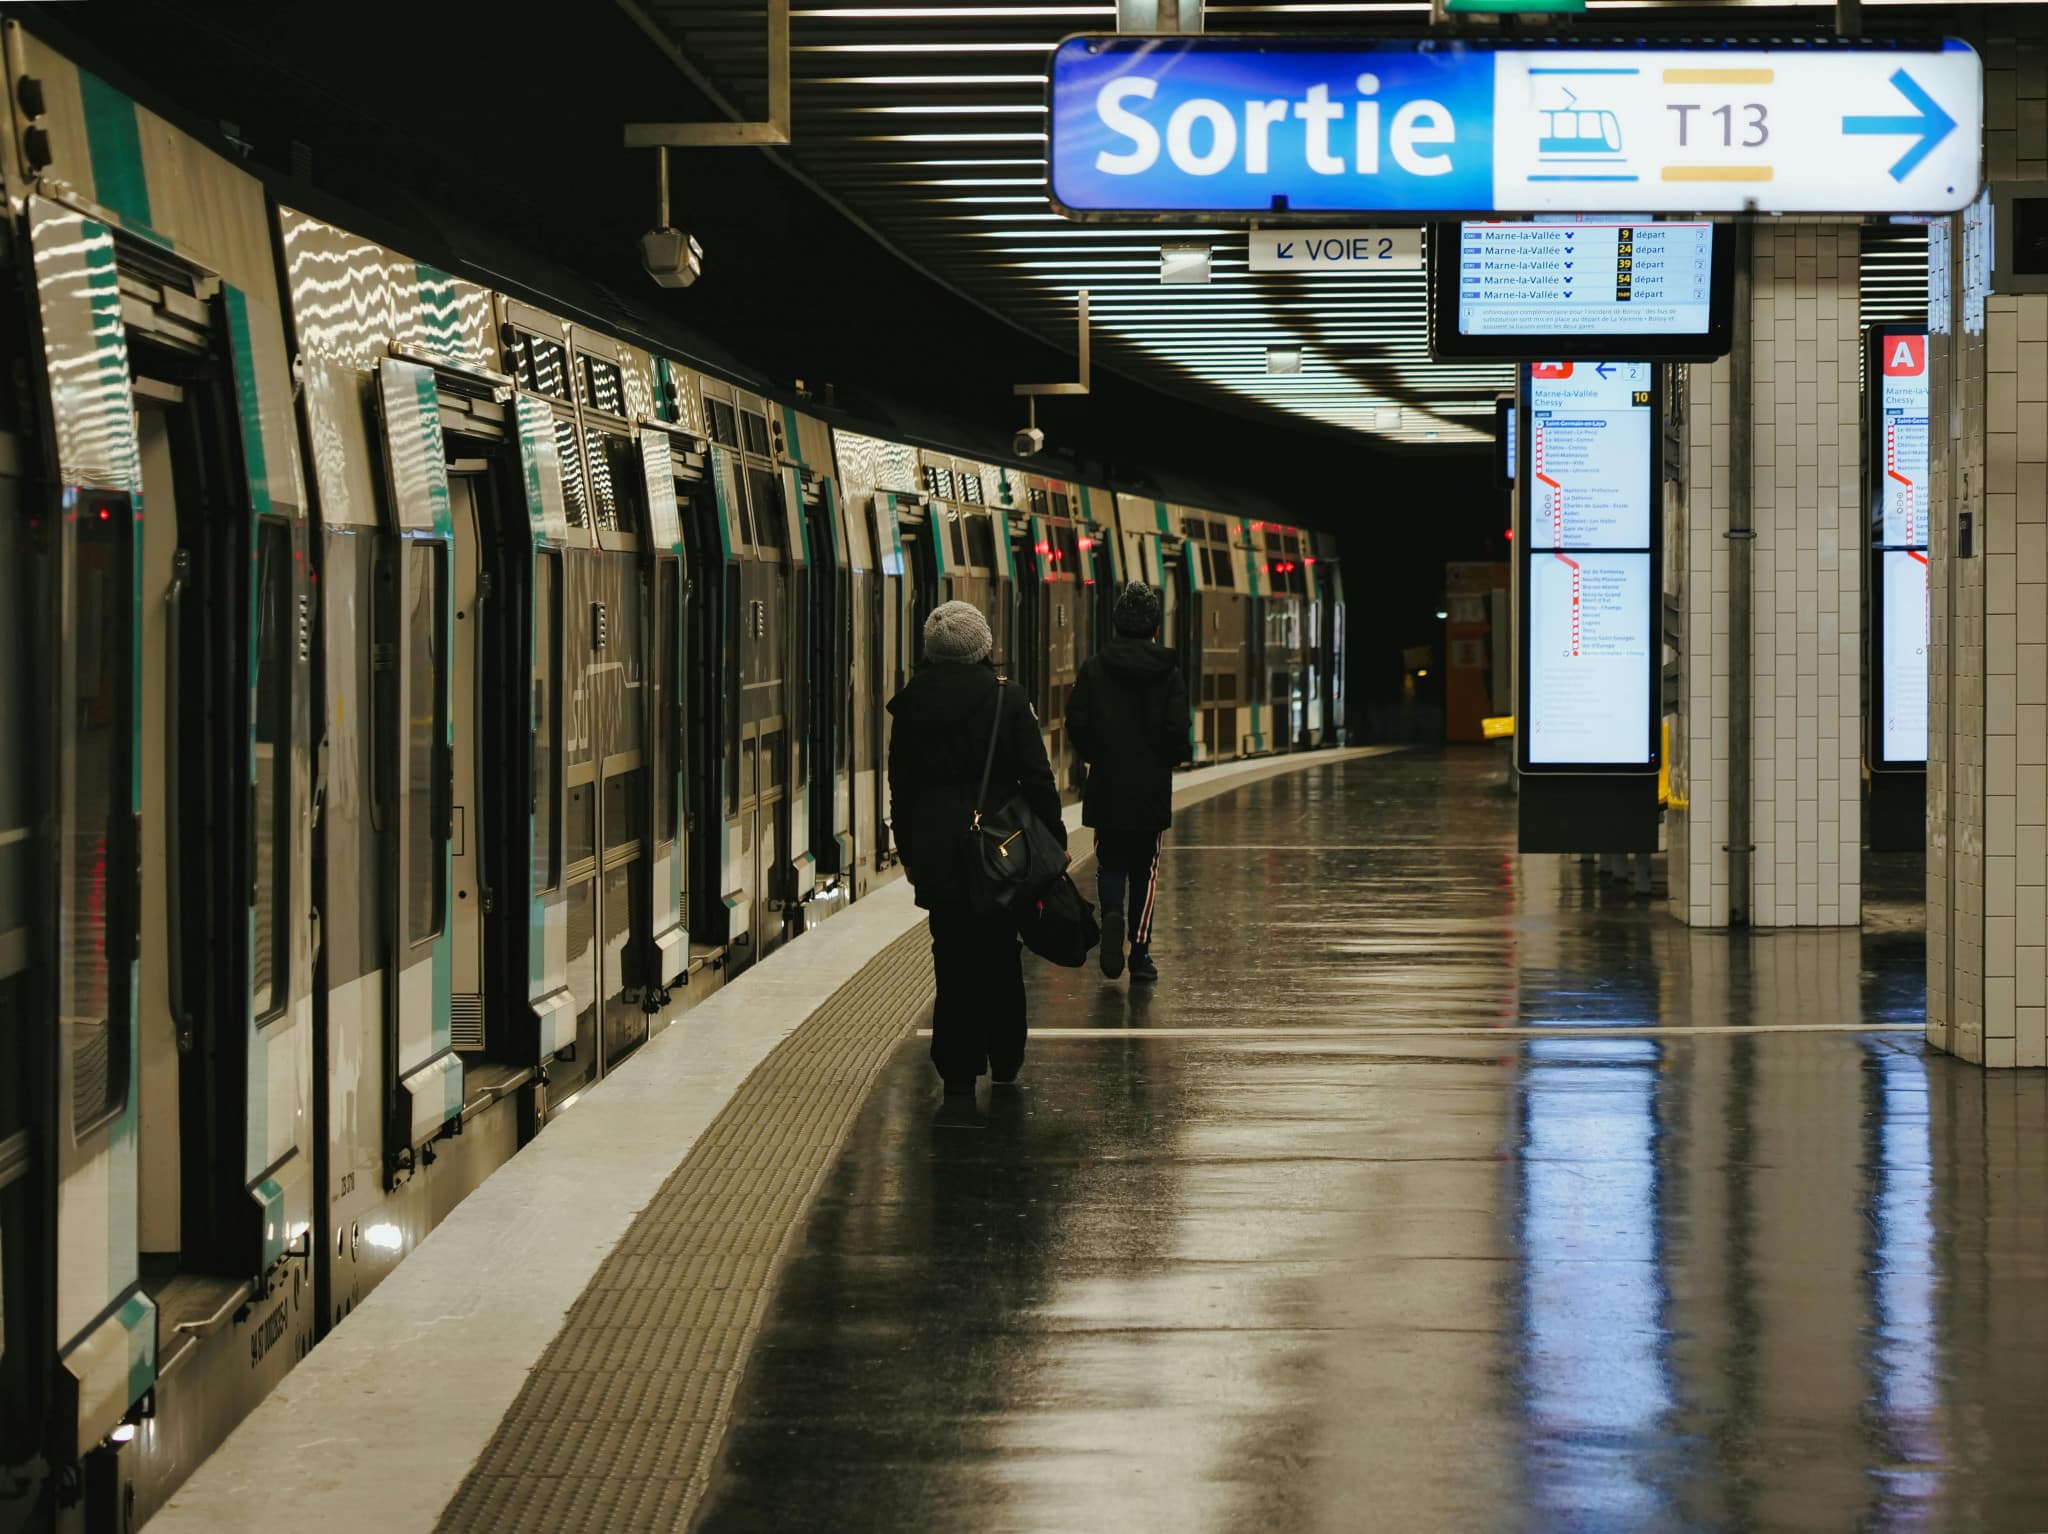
<point>1589,439</point>
<point>1903,737</point>
<point>1589,658</point>
<point>1900,405</point>
<point>1585,278</point>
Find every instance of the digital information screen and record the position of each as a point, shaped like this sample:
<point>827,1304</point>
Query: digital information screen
<point>1608,286</point>
<point>1588,561</point>
<point>1900,404</point>
<point>1544,279</point>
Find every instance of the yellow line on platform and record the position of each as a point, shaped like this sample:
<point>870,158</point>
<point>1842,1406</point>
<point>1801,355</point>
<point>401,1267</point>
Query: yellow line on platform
<point>1718,173</point>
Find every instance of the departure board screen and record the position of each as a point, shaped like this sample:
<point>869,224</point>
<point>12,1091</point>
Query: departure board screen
<point>1582,287</point>
<point>1589,574</point>
<point>1898,400</point>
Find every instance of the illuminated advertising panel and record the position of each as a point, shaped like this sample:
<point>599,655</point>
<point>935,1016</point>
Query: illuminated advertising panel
<point>1587,551</point>
<point>1900,614</point>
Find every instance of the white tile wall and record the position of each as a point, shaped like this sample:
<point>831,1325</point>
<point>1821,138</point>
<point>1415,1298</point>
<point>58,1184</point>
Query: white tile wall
<point>1987,769</point>
<point>1806,716</point>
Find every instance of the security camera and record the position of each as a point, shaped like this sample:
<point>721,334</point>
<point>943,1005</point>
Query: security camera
<point>1029,440</point>
<point>672,258</point>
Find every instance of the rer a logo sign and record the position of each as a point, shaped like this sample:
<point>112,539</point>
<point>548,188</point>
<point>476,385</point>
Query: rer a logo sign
<point>1151,126</point>
<point>1905,356</point>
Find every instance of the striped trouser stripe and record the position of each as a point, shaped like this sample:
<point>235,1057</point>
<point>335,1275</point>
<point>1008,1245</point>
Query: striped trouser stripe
<point>1144,932</point>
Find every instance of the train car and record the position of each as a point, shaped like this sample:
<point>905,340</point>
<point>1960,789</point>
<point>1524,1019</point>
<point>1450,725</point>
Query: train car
<point>1215,636</point>
<point>1326,599</point>
<point>162,933</point>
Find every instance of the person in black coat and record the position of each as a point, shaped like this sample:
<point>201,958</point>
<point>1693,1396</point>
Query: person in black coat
<point>942,722</point>
<point>1128,717</point>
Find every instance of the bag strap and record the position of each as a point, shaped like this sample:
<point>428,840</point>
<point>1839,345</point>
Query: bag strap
<point>988,762</point>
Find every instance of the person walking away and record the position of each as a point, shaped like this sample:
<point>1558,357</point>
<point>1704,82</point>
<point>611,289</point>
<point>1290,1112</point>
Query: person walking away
<point>1128,717</point>
<point>942,720</point>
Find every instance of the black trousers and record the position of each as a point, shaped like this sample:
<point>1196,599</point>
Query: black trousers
<point>978,1016</point>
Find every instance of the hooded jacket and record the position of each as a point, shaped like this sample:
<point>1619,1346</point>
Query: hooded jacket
<point>1128,717</point>
<point>936,749</point>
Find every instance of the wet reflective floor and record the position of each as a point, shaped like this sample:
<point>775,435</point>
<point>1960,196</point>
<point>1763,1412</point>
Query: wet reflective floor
<point>1369,1218</point>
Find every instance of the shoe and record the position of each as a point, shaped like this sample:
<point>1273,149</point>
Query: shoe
<point>1004,1081</point>
<point>1143,969</point>
<point>960,1088</point>
<point>1112,953</point>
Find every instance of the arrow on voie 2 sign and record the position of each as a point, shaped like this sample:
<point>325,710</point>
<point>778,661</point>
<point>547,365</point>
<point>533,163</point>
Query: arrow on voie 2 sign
<point>1145,127</point>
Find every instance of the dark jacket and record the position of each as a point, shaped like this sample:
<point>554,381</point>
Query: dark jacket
<point>935,755</point>
<point>1128,717</point>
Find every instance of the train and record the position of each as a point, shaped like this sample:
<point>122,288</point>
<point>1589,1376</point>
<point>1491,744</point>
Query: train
<point>413,694</point>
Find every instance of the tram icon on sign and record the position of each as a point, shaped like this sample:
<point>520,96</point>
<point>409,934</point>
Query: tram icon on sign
<point>1573,132</point>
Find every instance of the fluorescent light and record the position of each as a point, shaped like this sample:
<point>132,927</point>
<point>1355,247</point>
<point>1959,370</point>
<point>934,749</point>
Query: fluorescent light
<point>1283,359</point>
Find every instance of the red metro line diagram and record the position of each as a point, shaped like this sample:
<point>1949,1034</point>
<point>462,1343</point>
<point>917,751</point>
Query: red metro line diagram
<point>1555,492</point>
<point>1588,581</point>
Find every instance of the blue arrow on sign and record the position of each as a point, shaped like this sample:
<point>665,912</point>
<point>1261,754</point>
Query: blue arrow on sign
<point>1603,368</point>
<point>1931,126</point>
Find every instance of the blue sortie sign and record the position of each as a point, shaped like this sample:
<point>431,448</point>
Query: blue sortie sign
<point>1144,126</point>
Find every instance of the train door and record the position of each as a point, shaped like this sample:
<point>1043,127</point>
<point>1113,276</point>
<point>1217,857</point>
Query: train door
<point>609,650</point>
<point>1027,657</point>
<point>27,1011</point>
<point>862,586</point>
<point>829,664</point>
<point>890,660</point>
<point>710,595</point>
<point>766,726</point>
<point>466,489</point>
<point>670,473</point>
<point>412,757</point>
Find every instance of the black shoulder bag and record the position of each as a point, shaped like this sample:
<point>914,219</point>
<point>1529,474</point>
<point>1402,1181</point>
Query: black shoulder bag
<point>1009,854</point>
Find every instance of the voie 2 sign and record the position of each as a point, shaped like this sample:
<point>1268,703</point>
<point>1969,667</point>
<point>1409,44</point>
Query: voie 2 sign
<point>1157,126</point>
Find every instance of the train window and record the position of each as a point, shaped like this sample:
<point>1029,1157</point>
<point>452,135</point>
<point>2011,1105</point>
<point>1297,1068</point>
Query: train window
<point>1061,505</point>
<point>981,542</point>
<point>604,384</point>
<point>546,724</point>
<point>724,422</point>
<point>755,428</point>
<point>1066,550</point>
<point>575,488</point>
<point>614,480</point>
<point>539,365</point>
<point>970,489</point>
<point>582,824</point>
<point>271,747</point>
<point>667,702</point>
<point>771,525</point>
<point>95,860</point>
<point>775,748</point>
<point>959,540</point>
<point>425,734</point>
<point>1037,500</point>
<point>1225,568</point>
<point>938,481</point>
<point>621,810</point>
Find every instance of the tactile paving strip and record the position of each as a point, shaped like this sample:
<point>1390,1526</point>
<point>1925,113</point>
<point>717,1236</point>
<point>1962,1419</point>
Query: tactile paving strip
<point>617,1427</point>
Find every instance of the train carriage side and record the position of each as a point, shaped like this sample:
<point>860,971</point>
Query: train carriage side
<point>1326,585</point>
<point>1286,674</point>
<point>1218,630</point>
<point>165,542</point>
<point>1055,623</point>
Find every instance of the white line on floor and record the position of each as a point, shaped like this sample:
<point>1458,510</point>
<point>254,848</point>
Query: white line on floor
<point>1364,1032</point>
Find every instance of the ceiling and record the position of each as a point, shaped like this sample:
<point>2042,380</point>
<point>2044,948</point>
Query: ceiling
<point>927,124</point>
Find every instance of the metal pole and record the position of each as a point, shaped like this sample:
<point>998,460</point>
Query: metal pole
<point>1741,577</point>
<point>661,184</point>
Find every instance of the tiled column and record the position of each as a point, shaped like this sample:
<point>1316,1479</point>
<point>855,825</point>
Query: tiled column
<point>1806,713</point>
<point>1987,747</point>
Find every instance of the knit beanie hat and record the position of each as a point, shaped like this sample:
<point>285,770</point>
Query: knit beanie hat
<point>1137,611</point>
<point>956,631</point>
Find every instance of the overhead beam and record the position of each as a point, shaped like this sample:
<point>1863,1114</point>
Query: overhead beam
<point>728,135</point>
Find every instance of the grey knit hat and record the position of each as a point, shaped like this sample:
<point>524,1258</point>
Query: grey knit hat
<point>957,631</point>
<point>1137,611</point>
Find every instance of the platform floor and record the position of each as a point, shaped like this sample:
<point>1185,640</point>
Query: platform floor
<point>1432,1188</point>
